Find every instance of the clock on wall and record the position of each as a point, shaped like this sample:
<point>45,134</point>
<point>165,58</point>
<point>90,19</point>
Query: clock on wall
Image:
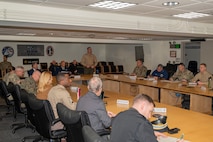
<point>8,51</point>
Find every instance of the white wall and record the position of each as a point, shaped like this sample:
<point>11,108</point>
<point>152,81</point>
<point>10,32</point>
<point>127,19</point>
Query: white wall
<point>155,52</point>
<point>62,51</point>
<point>206,54</point>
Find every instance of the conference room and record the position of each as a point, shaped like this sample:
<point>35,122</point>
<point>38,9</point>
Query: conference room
<point>62,30</point>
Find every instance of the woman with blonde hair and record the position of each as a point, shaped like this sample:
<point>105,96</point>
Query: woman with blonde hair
<point>44,85</point>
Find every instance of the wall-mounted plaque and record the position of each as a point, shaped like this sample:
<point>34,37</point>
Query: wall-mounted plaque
<point>30,50</point>
<point>30,61</point>
<point>8,51</point>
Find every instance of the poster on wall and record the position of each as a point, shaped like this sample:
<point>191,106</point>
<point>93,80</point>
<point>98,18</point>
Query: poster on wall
<point>30,50</point>
<point>30,61</point>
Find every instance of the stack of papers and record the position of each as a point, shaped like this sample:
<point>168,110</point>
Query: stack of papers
<point>126,102</point>
<point>169,139</point>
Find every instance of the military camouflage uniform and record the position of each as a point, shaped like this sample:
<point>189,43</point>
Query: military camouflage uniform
<point>203,77</point>
<point>29,85</point>
<point>185,75</point>
<point>140,71</point>
<point>11,77</point>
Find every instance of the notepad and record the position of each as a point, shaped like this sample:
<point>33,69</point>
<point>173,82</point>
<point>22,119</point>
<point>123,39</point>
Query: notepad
<point>126,102</point>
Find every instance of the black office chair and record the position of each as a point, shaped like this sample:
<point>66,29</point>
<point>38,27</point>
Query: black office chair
<point>148,73</point>
<point>19,108</point>
<point>192,66</point>
<point>105,69</point>
<point>90,135</point>
<point>113,69</point>
<point>120,69</point>
<point>42,117</point>
<point>9,102</point>
<point>74,121</point>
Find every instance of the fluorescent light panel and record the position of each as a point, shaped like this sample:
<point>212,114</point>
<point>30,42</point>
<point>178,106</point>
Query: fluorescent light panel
<point>26,34</point>
<point>191,15</point>
<point>172,3</point>
<point>111,4</point>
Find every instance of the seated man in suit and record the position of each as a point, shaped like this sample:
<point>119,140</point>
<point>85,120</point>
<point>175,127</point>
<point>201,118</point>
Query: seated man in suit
<point>54,68</point>
<point>34,68</point>
<point>140,70</point>
<point>99,118</point>
<point>160,73</point>
<point>73,67</point>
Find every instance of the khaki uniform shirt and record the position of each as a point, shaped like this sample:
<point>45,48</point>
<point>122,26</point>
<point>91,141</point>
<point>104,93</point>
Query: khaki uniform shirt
<point>29,85</point>
<point>89,60</point>
<point>140,71</point>
<point>203,77</point>
<point>59,94</point>
<point>185,75</point>
<point>11,77</point>
<point>5,65</point>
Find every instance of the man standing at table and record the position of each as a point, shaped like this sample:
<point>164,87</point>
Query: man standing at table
<point>182,74</point>
<point>203,76</point>
<point>89,61</point>
<point>99,118</point>
<point>133,125</point>
<point>140,70</point>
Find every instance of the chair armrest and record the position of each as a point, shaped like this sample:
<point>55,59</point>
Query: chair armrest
<point>104,132</point>
<point>55,121</point>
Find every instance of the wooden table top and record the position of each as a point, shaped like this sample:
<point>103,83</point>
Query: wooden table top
<point>197,127</point>
<point>163,84</point>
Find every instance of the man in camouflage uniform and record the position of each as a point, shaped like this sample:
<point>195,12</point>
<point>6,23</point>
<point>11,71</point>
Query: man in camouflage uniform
<point>30,83</point>
<point>182,74</point>
<point>14,77</point>
<point>140,70</point>
<point>5,65</point>
<point>203,76</point>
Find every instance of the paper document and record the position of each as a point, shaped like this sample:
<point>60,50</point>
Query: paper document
<point>169,139</point>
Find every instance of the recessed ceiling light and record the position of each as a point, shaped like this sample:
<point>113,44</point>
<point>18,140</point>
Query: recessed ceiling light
<point>191,15</point>
<point>172,3</point>
<point>111,4</point>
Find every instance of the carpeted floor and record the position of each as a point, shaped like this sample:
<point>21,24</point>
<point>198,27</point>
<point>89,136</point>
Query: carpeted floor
<point>6,134</point>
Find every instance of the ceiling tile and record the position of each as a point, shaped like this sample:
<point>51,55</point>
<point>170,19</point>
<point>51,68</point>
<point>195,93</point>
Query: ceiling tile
<point>142,9</point>
<point>196,7</point>
<point>74,2</point>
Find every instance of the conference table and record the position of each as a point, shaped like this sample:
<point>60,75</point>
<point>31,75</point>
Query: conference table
<point>197,127</point>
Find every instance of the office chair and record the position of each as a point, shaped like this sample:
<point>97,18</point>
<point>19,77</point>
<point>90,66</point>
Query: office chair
<point>42,117</point>
<point>74,121</point>
<point>113,69</point>
<point>19,108</point>
<point>6,95</point>
<point>148,73</point>
<point>110,63</point>
<point>90,135</point>
<point>43,67</point>
<point>105,69</point>
<point>192,66</point>
<point>102,63</point>
<point>120,69</point>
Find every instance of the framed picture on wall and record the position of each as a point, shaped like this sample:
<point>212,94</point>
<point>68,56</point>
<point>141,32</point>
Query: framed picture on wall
<point>173,53</point>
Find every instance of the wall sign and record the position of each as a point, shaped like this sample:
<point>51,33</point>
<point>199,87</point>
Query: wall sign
<point>173,53</point>
<point>8,51</point>
<point>30,61</point>
<point>30,50</point>
<point>49,50</point>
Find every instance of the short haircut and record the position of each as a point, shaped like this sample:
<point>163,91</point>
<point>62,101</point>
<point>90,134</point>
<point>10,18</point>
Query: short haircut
<point>89,47</point>
<point>160,65</point>
<point>19,68</point>
<point>60,77</point>
<point>143,97</point>
<point>182,64</point>
<point>203,64</point>
<point>95,84</point>
<point>34,63</point>
<point>140,60</point>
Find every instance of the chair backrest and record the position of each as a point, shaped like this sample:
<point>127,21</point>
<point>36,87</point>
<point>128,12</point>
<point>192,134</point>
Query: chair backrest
<point>120,68</point>
<point>73,121</point>
<point>17,99</point>
<point>42,116</point>
<point>4,92</point>
<point>44,66</point>
<point>192,66</point>
<point>105,69</point>
<point>90,135</point>
<point>148,73</point>
<point>113,69</point>
<point>110,63</point>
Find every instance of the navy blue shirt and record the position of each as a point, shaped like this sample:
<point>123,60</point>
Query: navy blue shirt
<point>162,74</point>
